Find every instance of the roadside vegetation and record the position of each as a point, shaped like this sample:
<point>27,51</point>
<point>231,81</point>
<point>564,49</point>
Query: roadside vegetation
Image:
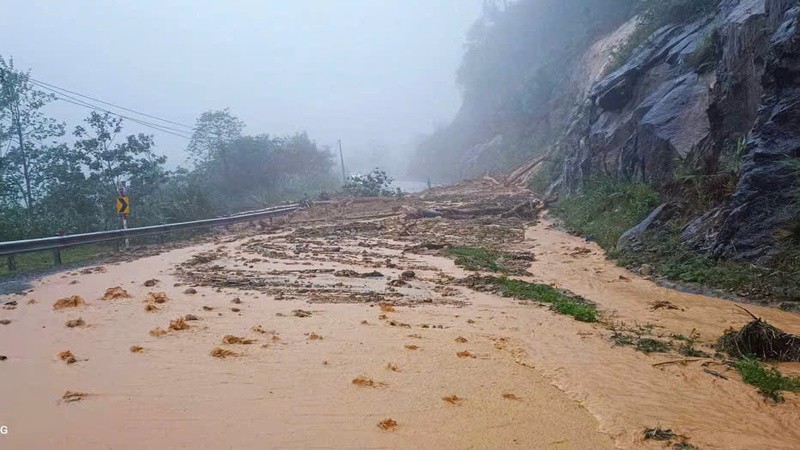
<point>44,260</point>
<point>769,381</point>
<point>559,301</point>
<point>607,208</point>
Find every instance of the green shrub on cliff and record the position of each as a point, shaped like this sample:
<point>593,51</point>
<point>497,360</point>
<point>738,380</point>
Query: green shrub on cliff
<point>608,208</point>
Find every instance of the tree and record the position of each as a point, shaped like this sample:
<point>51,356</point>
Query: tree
<point>111,164</point>
<point>27,132</point>
<point>213,131</point>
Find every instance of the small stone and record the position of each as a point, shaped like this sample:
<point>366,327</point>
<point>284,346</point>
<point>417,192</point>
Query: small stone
<point>646,270</point>
<point>190,291</point>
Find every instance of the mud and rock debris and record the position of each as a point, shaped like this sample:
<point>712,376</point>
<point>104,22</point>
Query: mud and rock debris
<point>157,332</point>
<point>157,297</point>
<point>387,425</point>
<point>231,339</point>
<point>759,338</point>
<point>151,282</point>
<point>301,313</point>
<point>453,399</point>
<point>73,396</point>
<point>69,302</point>
<point>5,321</point>
<point>115,293</point>
<point>74,323</point>
<point>149,307</point>
<point>222,353</point>
<point>465,354</point>
<point>179,324</point>
<point>190,291</point>
<point>364,381</point>
<point>510,396</point>
<point>411,347</point>
<point>67,357</point>
<point>461,340</point>
<point>314,337</point>
<point>392,367</point>
<point>136,349</point>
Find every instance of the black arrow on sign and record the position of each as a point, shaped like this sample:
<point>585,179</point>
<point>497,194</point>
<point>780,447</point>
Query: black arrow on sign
<point>123,205</point>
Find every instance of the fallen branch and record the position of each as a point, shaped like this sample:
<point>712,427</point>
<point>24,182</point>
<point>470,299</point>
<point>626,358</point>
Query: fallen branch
<point>679,361</point>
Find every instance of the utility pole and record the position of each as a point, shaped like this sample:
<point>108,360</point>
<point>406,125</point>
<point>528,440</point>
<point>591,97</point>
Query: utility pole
<point>341,157</point>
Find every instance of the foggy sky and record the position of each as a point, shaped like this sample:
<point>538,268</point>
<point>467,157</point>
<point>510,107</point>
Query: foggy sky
<point>365,71</point>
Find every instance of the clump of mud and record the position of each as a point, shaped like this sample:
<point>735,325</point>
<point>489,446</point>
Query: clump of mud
<point>762,340</point>
<point>314,337</point>
<point>453,399</point>
<point>367,382</point>
<point>178,324</point>
<point>151,282</point>
<point>71,396</point>
<point>72,323</point>
<point>412,347</point>
<point>69,302</point>
<point>510,396</point>
<point>301,313</point>
<point>231,339</point>
<point>461,340</point>
<point>465,354</point>
<point>157,332</point>
<point>387,307</point>
<point>67,357</point>
<point>392,367</point>
<point>149,307</point>
<point>115,293</point>
<point>136,349</point>
<point>387,425</point>
<point>157,297</point>
<point>222,353</point>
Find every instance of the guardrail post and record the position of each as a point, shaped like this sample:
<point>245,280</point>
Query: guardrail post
<point>12,265</point>
<point>57,256</point>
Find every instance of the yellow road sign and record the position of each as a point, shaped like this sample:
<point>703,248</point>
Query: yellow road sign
<point>123,205</point>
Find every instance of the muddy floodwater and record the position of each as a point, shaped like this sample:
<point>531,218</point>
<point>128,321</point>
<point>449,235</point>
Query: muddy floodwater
<point>348,327</point>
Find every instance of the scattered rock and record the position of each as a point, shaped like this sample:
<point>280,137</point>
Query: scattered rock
<point>367,382</point>
<point>235,309</point>
<point>412,347</point>
<point>190,291</point>
<point>5,321</point>
<point>314,337</point>
<point>3,357</point>
<point>392,367</point>
<point>646,270</point>
<point>510,396</point>
<point>136,349</point>
<point>149,307</point>
<point>207,308</point>
<point>408,275</point>
<point>237,300</point>
<point>151,282</point>
<point>190,317</point>
<point>461,340</point>
<point>465,354</point>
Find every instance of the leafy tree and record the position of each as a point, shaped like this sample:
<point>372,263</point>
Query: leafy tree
<point>27,132</point>
<point>213,131</point>
<point>373,184</point>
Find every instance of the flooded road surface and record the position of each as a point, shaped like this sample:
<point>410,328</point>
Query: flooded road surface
<point>337,330</point>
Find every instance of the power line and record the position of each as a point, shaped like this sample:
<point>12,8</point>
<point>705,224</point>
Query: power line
<point>76,101</point>
<point>43,84</point>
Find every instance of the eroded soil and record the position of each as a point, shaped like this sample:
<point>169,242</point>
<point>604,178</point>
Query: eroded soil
<point>349,326</point>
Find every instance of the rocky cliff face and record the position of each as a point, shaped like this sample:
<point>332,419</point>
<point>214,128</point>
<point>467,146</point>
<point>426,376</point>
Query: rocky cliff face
<point>668,111</point>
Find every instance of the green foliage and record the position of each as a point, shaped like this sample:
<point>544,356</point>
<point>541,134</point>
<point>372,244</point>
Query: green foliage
<point>706,56</point>
<point>477,259</point>
<point>607,209</point>
<point>373,184</point>
<point>769,381</point>
<point>39,261</point>
<point>655,14</point>
<point>559,301</point>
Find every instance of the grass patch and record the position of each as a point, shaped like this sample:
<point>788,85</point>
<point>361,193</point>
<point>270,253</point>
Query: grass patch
<point>608,208</point>
<point>559,301</point>
<point>43,260</point>
<point>477,259</point>
<point>674,260</point>
<point>769,381</point>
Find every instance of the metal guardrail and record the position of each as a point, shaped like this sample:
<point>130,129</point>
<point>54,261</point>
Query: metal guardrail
<point>58,242</point>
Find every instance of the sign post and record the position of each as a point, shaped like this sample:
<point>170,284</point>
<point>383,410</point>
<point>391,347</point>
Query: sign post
<point>124,208</point>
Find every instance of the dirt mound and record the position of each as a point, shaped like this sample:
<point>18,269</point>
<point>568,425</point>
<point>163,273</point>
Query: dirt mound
<point>453,399</point>
<point>69,302</point>
<point>157,297</point>
<point>115,293</point>
<point>151,308</point>
<point>178,324</point>
<point>387,425</point>
<point>136,349</point>
<point>67,357</point>
<point>231,339</point>
<point>762,340</point>
<point>157,332</point>
<point>72,323</point>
